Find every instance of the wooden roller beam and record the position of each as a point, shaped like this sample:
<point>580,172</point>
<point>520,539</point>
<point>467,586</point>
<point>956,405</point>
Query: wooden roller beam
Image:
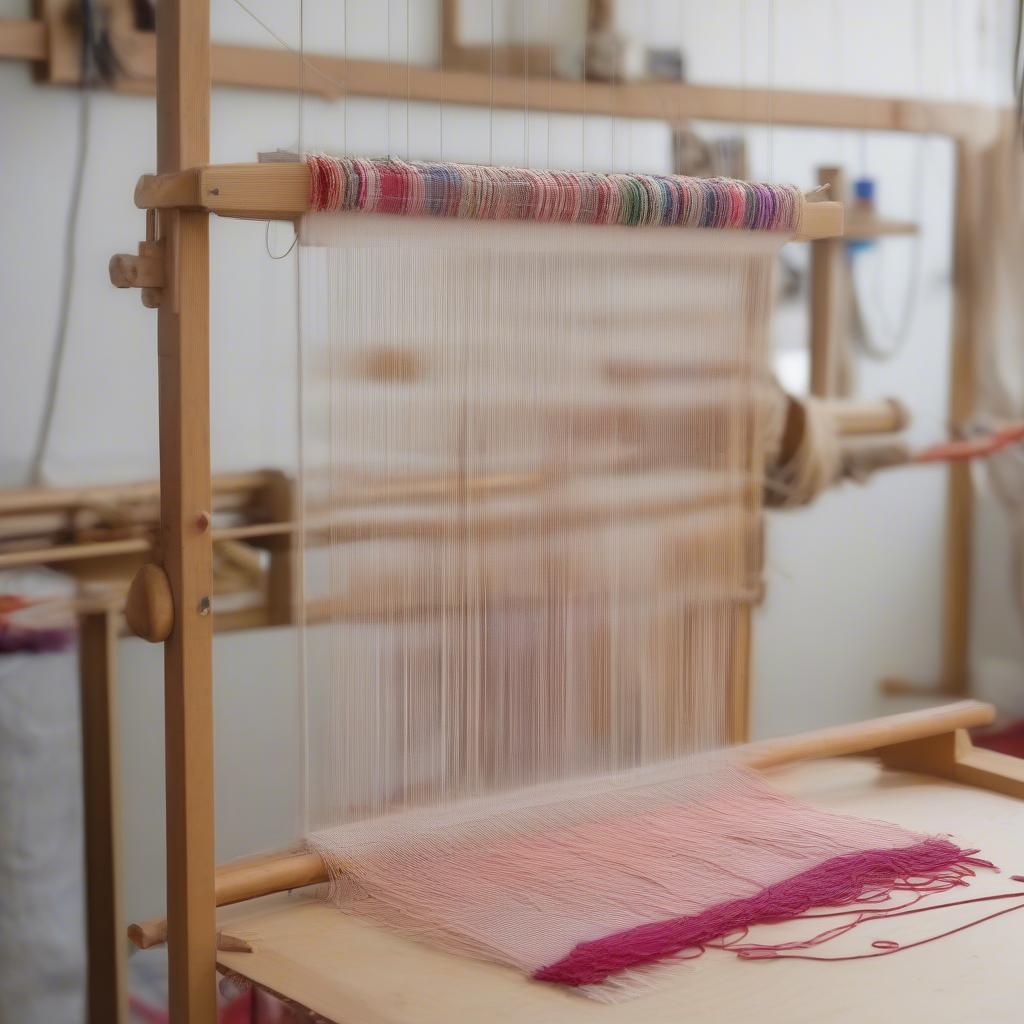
<point>280,191</point>
<point>904,735</point>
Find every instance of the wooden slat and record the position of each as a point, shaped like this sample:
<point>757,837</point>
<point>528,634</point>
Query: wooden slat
<point>97,672</point>
<point>183,112</point>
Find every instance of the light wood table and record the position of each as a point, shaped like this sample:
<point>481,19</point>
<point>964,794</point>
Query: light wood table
<point>352,973</point>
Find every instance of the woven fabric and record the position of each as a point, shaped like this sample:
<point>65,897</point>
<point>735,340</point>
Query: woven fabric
<point>564,197</point>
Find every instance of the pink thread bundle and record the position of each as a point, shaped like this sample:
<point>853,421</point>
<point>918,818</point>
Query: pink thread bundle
<point>590,884</point>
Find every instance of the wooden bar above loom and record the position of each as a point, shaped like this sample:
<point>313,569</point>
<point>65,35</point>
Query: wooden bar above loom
<point>280,191</point>
<point>904,740</point>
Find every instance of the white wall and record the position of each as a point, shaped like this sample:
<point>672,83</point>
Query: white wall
<point>853,583</point>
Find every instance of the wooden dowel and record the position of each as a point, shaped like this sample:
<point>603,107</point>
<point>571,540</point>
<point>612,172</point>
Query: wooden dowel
<point>245,881</point>
<point>861,416</point>
<point>251,880</point>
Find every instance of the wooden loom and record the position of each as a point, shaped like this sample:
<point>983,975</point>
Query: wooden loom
<point>51,42</point>
<point>176,266</point>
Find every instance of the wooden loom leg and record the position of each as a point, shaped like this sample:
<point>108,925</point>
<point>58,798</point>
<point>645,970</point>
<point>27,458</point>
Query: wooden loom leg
<point>97,660</point>
<point>183,112</point>
<point>952,755</point>
<point>954,679</point>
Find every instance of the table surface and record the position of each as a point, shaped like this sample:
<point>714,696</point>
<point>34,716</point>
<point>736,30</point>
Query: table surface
<point>350,972</point>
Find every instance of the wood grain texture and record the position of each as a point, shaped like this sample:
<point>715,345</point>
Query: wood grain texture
<point>183,112</point>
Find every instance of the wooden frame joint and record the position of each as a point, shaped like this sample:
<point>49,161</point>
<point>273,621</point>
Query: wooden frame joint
<point>146,270</point>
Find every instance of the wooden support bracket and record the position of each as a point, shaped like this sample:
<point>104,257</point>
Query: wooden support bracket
<point>952,755</point>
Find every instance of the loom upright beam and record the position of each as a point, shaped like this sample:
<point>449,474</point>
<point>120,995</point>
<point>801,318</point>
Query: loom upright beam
<point>183,130</point>
<point>281,191</point>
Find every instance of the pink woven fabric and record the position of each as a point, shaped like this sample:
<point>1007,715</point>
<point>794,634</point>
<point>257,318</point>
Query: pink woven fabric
<point>585,887</point>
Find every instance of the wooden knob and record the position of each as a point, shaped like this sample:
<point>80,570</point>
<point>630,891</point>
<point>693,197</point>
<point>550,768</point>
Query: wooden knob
<point>149,609</point>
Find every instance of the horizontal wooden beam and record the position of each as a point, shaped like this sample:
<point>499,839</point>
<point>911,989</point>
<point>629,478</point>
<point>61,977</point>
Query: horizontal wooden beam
<point>331,76</point>
<point>253,878</point>
<point>41,499</point>
<point>280,191</point>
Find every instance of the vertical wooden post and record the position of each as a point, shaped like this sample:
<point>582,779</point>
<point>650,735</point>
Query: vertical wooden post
<point>828,300</point>
<point>183,128</point>
<point>104,930</point>
<point>954,669</point>
<point>956,622</point>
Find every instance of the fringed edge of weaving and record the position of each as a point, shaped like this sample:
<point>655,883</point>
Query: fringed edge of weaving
<point>838,882</point>
<point>564,197</point>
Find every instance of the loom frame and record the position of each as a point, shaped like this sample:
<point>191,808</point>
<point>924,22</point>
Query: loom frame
<point>50,42</point>
<point>936,742</point>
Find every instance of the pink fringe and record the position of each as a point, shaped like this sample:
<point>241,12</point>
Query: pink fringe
<point>838,881</point>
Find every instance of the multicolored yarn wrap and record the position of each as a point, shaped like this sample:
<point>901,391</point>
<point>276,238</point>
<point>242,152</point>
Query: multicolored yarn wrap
<point>562,197</point>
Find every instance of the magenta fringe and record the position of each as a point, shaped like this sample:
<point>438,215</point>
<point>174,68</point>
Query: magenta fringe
<point>839,881</point>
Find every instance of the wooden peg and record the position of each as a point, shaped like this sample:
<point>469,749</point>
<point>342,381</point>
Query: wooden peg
<point>140,271</point>
<point>149,608</point>
<point>146,270</point>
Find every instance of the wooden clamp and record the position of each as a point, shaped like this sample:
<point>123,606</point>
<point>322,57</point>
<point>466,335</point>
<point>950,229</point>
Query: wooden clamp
<point>146,270</point>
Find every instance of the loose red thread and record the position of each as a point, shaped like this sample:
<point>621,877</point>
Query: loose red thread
<point>931,866</point>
